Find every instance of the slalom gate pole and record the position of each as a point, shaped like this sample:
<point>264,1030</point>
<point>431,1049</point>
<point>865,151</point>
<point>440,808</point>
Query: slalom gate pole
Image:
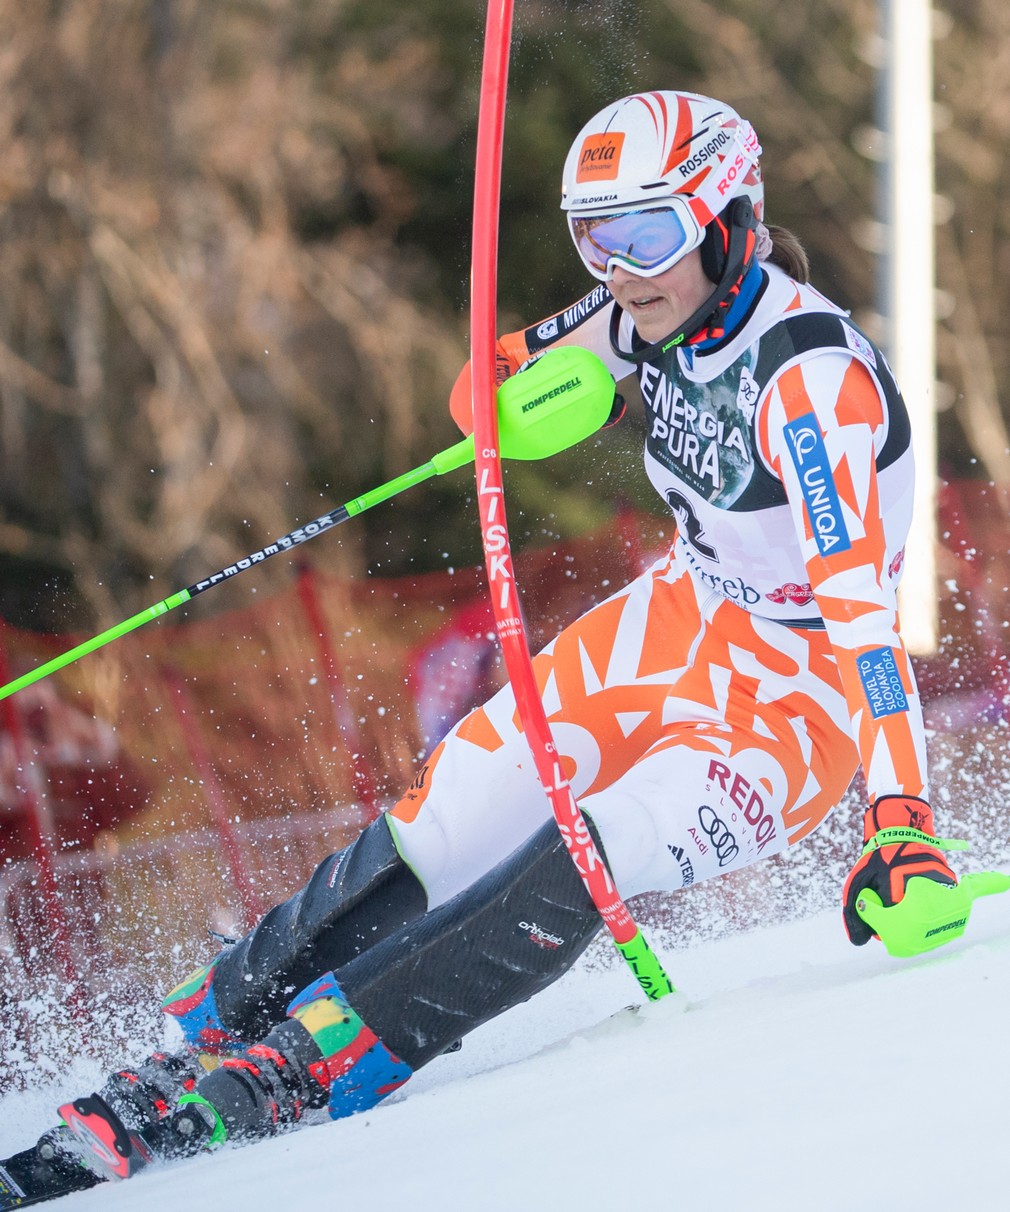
<point>494,525</point>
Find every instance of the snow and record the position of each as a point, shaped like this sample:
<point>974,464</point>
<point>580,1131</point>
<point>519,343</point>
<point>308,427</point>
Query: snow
<point>790,1071</point>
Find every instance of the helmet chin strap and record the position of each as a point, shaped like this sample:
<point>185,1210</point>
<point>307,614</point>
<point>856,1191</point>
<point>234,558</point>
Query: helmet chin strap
<point>709,319</point>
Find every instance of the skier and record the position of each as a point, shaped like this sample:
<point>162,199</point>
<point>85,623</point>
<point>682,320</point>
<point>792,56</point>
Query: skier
<point>710,713</point>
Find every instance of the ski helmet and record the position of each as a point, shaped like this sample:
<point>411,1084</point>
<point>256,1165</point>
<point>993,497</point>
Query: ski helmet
<point>653,177</point>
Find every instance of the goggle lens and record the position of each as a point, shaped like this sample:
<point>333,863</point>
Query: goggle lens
<point>645,241</point>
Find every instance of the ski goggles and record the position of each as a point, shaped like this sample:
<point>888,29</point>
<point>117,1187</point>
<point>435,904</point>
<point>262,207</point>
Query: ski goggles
<point>646,242</point>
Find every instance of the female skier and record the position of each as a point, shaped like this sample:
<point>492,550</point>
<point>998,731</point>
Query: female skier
<point>710,713</point>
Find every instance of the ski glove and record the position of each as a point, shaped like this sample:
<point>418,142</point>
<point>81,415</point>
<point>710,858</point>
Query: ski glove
<point>509,356</point>
<point>899,842</point>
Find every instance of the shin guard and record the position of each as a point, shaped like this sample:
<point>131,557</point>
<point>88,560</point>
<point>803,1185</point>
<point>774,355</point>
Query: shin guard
<point>509,935</point>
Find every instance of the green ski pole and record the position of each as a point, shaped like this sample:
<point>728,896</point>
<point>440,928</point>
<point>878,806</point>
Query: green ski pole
<point>563,398</point>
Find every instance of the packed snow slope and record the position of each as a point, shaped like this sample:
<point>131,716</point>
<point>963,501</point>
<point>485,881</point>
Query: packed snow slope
<point>791,1071</point>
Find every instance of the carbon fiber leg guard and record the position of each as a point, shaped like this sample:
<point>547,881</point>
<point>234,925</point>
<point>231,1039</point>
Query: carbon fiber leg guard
<point>353,900</point>
<point>353,1037</point>
<point>508,936</point>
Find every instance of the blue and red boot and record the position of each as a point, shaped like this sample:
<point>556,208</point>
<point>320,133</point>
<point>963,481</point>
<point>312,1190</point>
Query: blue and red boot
<point>323,1058</point>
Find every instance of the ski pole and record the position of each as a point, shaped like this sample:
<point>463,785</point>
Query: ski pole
<point>561,399</point>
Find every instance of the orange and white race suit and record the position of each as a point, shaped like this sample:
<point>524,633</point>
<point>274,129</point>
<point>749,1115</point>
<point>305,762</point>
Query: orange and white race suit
<point>715,709</point>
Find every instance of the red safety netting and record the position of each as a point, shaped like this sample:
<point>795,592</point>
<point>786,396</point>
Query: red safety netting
<point>191,774</point>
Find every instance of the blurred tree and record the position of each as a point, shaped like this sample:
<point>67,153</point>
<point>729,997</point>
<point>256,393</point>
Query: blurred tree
<point>234,243</point>
<point>206,333</point>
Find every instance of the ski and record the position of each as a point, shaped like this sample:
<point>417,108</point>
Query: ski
<point>49,1169</point>
<point>91,1146</point>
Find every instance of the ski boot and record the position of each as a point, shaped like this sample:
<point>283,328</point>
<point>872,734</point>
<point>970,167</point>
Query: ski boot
<point>144,1096</point>
<point>322,1058</point>
<point>161,1112</point>
<point>116,1126</point>
<point>260,1093</point>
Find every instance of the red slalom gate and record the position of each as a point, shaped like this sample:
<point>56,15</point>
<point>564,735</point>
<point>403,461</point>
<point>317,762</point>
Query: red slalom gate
<point>494,525</point>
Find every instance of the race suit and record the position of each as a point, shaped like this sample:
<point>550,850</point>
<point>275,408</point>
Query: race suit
<point>716,708</point>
